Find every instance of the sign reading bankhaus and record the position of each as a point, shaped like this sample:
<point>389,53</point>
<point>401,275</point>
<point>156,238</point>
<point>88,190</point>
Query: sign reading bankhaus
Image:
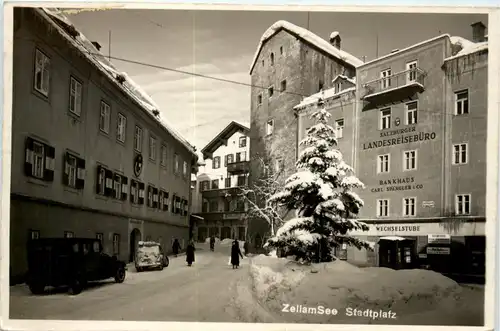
<point>408,135</point>
<point>397,184</point>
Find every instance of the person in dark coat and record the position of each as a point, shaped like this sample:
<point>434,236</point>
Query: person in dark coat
<point>176,246</point>
<point>235,254</point>
<point>245,247</point>
<point>212,243</point>
<point>190,253</point>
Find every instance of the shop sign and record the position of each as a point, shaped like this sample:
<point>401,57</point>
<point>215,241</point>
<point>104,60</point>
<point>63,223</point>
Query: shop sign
<point>422,256</point>
<point>421,229</point>
<point>428,204</point>
<point>399,137</point>
<point>439,239</point>
<point>397,184</point>
<point>438,250</point>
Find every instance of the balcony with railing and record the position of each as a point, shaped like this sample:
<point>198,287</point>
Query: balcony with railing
<point>394,87</point>
<point>232,187</point>
<point>238,167</point>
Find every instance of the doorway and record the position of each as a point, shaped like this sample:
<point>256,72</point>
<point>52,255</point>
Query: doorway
<point>225,233</point>
<point>397,253</point>
<point>135,237</point>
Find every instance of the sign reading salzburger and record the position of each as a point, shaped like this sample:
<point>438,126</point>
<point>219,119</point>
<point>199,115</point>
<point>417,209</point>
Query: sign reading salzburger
<point>409,136</point>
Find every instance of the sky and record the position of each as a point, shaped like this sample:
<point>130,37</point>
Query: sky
<point>222,44</point>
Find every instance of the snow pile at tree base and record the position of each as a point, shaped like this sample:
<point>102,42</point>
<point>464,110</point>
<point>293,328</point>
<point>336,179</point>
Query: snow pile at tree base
<point>416,296</point>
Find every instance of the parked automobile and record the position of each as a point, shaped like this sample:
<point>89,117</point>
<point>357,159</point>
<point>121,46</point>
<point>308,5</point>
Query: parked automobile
<point>150,255</point>
<point>70,262</point>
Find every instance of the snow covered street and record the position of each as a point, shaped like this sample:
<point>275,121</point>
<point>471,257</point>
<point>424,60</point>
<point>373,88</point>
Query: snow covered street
<point>266,290</point>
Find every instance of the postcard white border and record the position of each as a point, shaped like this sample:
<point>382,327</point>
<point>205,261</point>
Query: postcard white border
<point>491,189</point>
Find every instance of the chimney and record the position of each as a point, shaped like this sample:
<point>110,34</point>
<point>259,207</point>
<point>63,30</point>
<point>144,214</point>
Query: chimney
<point>335,39</point>
<point>96,45</point>
<point>478,32</point>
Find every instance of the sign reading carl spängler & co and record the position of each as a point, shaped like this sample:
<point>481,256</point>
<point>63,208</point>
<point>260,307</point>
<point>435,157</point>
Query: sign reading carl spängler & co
<point>408,136</point>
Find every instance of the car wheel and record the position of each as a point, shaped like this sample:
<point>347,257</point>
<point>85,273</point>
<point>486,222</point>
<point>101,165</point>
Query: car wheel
<point>37,288</point>
<point>120,275</point>
<point>76,287</point>
<point>166,262</point>
<point>160,267</point>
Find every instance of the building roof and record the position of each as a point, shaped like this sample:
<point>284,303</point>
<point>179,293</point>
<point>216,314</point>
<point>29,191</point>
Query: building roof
<point>67,30</point>
<point>222,137</point>
<point>323,95</point>
<point>350,80</point>
<point>308,37</point>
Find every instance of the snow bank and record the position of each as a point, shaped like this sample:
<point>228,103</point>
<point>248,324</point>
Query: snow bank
<point>217,240</point>
<point>415,295</point>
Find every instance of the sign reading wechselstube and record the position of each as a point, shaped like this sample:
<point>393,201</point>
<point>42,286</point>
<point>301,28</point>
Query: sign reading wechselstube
<point>409,136</point>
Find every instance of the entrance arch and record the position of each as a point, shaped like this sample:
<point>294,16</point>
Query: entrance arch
<point>135,237</point>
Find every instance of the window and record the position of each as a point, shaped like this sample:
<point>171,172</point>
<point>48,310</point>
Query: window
<point>205,185</point>
<point>75,96</point>
<point>134,192</point>
<point>121,128</point>
<point>104,118</point>
<point>339,128</point>
<point>383,163</point>
<point>34,234</point>
<point>411,68</point>
<point>410,160</point>
<point>242,180</point>
<point>101,180</point>
<point>39,160</point>
<point>409,206</point>
<point>262,62</point>
<point>42,73</point>
<point>283,85</point>
<point>462,102</point>
<point>259,99</point>
<point>338,87</point>
<point>99,236</point>
<point>385,82</point>
<point>176,163</point>
<point>411,113</point>
<point>385,119</point>
<point>281,50</point>
<point>270,90</point>
<point>215,184</point>
<point>150,196</point>
<point>71,170</point>
<point>227,182</point>
<point>243,141</point>
<point>462,204</point>
<point>117,186</point>
<point>216,163</point>
<point>279,165</point>
<point>460,154</point>
<point>241,156</point>
<point>164,200</point>
<point>214,206</point>
<point>163,161</point>
<point>152,148</point>
<point>270,127</point>
<point>116,244</point>
<point>229,159</point>
<point>68,234</point>
<point>272,59</point>
<point>320,85</point>
<point>184,169</point>
<point>382,208</point>
<point>138,139</point>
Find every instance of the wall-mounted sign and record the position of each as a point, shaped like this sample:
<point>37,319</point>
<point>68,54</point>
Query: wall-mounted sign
<point>397,121</point>
<point>395,228</point>
<point>397,184</point>
<point>438,250</point>
<point>138,163</point>
<point>439,239</point>
<point>428,204</point>
<point>398,228</point>
<point>405,139</point>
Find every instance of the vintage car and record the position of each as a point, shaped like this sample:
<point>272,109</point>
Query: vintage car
<point>150,255</point>
<point>71,262</point>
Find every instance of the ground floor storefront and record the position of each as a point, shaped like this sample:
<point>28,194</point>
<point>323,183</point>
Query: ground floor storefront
<point>232,229</point>
<point>31,219</point>
<point>458,250</point>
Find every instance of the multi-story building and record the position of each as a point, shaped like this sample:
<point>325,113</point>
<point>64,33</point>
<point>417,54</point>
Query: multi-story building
<point>419,145</point>
<point>290,63</point>
<point>90,155</point>
<point>220,184</point>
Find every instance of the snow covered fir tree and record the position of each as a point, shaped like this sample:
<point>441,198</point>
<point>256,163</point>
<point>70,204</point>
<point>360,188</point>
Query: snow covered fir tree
<point>322,195</point>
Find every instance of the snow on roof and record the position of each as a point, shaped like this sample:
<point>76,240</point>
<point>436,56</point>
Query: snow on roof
<point>392,238</point>
<point>352,80</point>
<point>308,36</point>
<point>334,34</point>
<point>324,95</point>
<point>85,46</point>
<point>468,47</point>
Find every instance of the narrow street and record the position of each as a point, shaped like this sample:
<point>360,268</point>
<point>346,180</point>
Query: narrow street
<point>178,293</point>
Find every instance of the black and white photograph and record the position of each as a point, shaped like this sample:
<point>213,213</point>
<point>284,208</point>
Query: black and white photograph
<point>319,167</point>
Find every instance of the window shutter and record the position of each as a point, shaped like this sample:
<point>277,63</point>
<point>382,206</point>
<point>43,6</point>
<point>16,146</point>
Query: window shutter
<point>124,187</point>
<point>141,193</point>
<point>50,154</point>
<point>225,161</point>
<point>133,184</point>
<point>97,183</point>
<point>165,201</point>
<point>155,197</point>
<point>28,162</point>
<point>108,190</point>
<point>65,178</point>
<point>80,174</point>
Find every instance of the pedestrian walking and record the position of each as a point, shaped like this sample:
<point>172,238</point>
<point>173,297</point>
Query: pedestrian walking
<point>212,243</point>
<point>236,254</point>
<point>190,253</point>
<point>176,246</point>
<point>245,248</point>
